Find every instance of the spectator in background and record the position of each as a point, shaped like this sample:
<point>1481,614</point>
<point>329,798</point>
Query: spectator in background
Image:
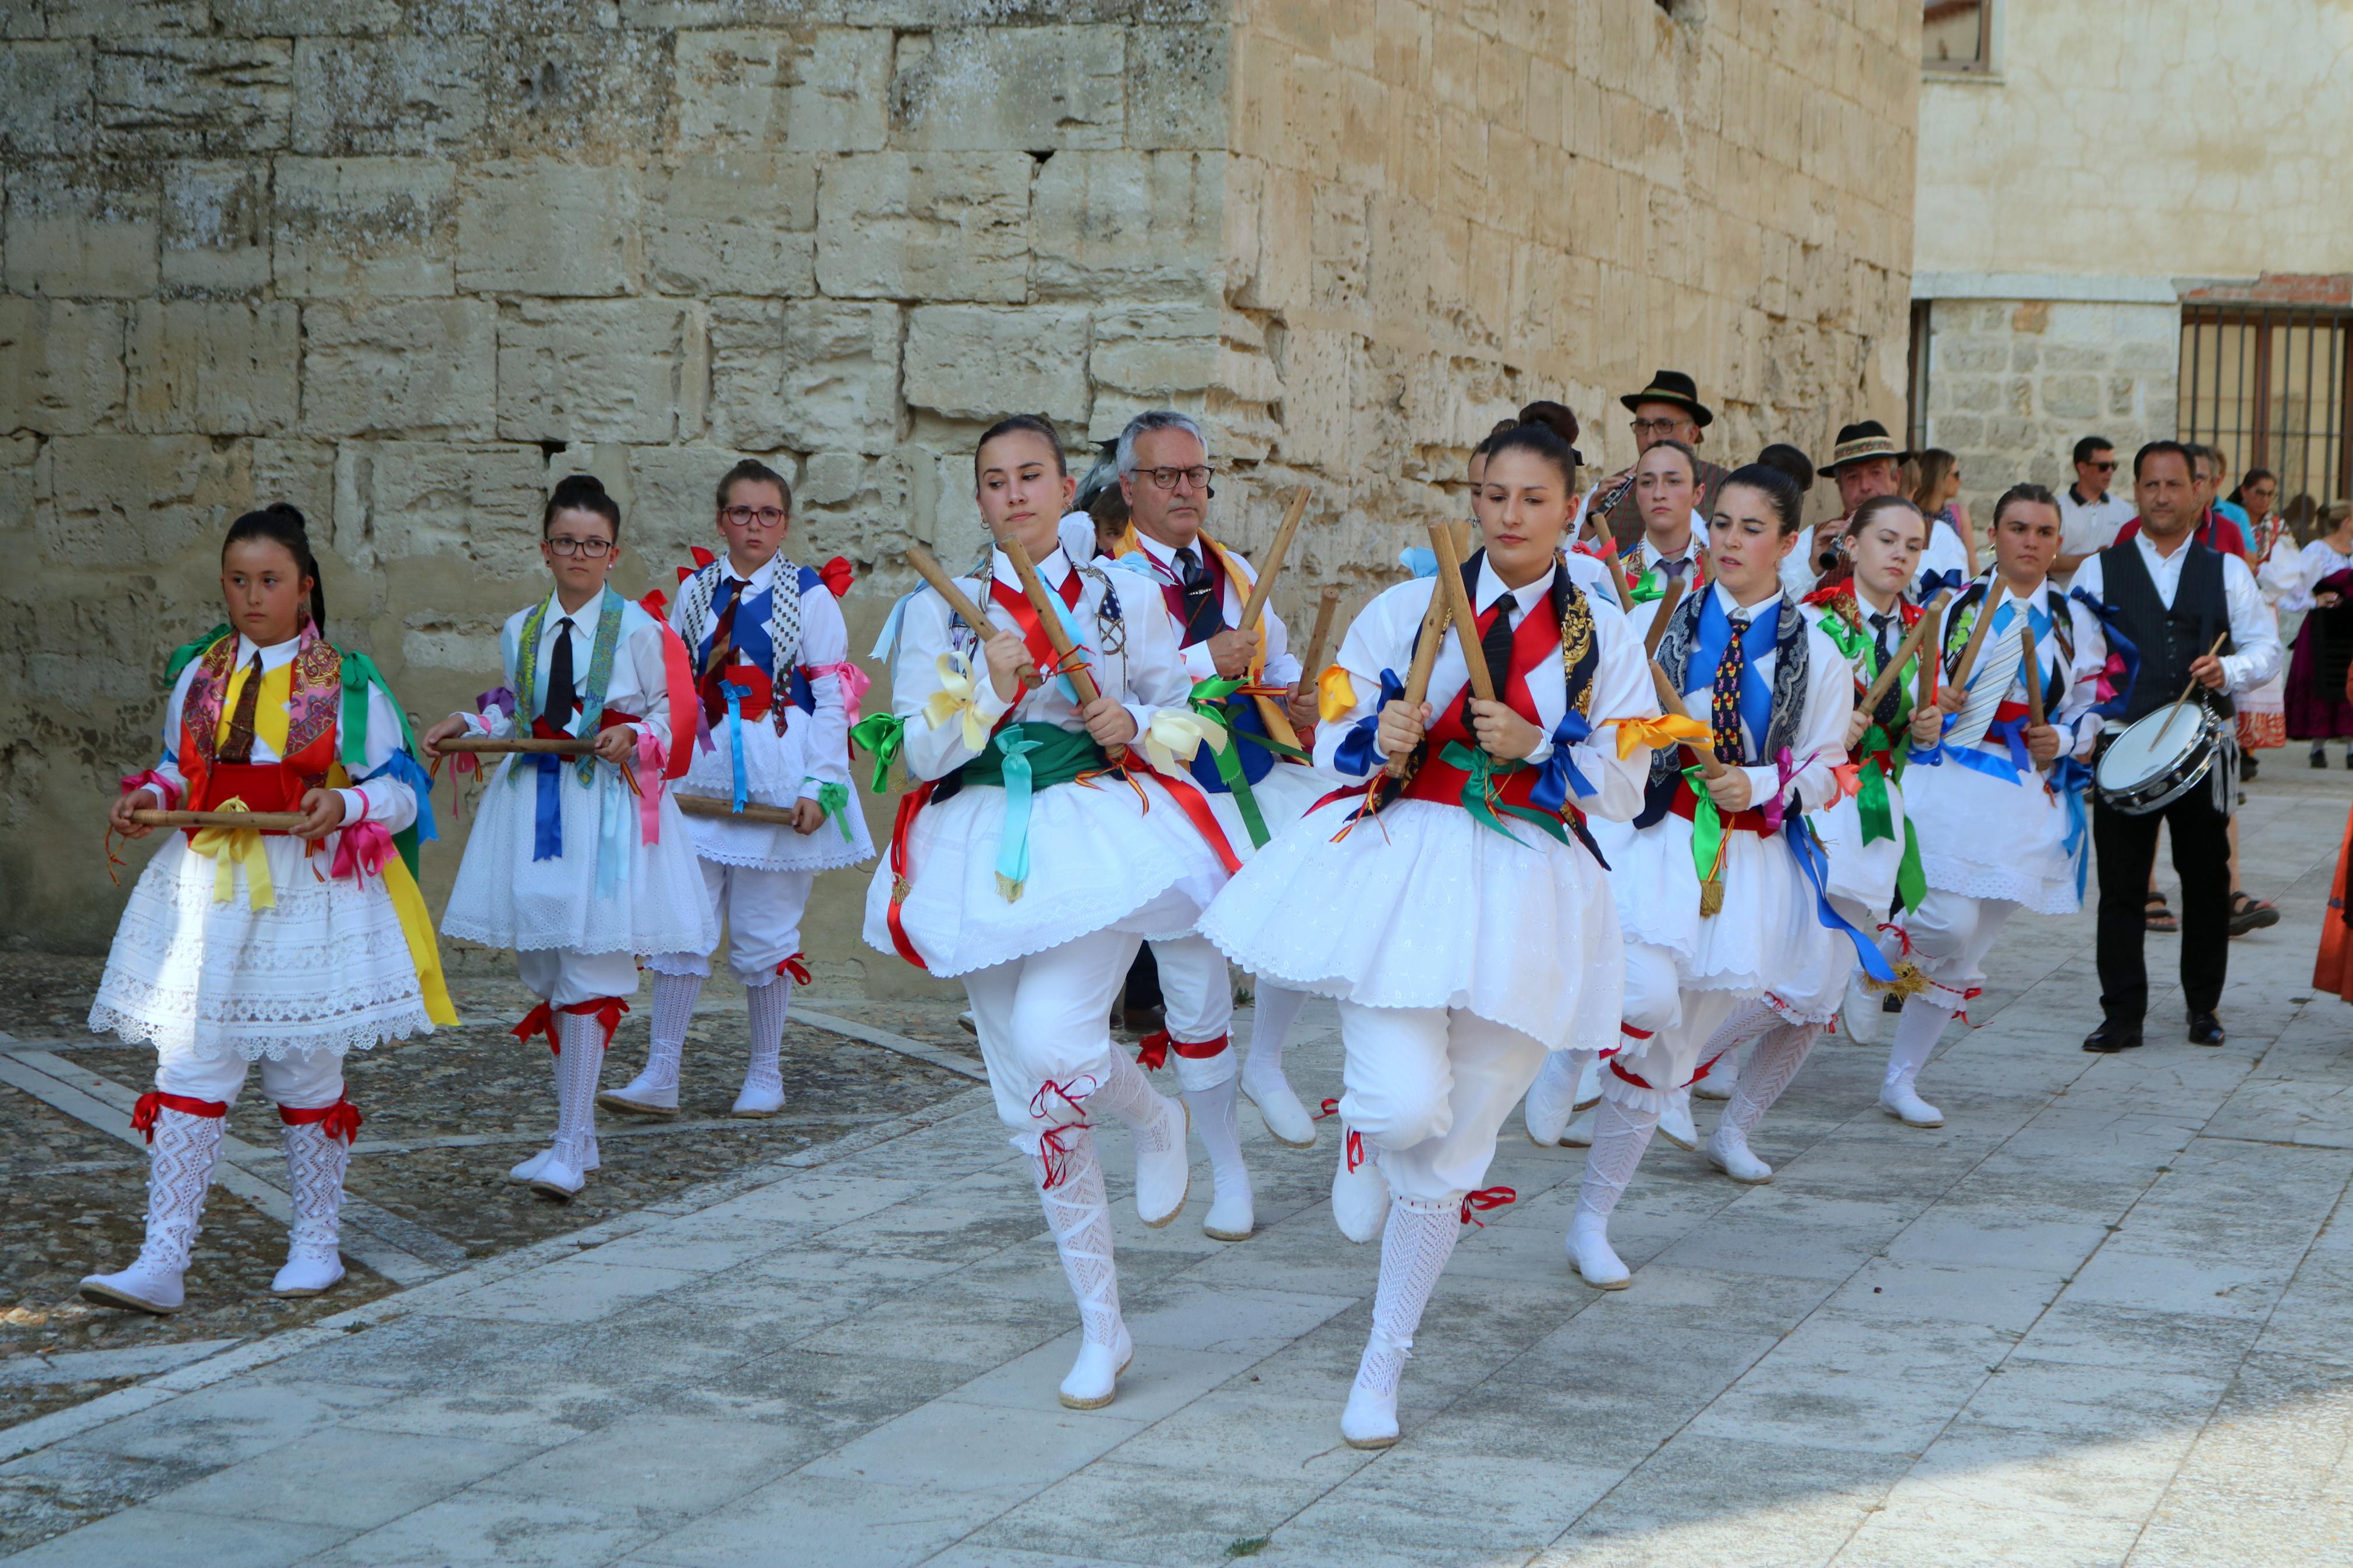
<point>2213,530</point>
<point>1864,464</point>
<point>2262,712</point>
<point>2089,517</point>
<point>1936,491</point>
<point>1668,409</point>
<point>2230,507</point>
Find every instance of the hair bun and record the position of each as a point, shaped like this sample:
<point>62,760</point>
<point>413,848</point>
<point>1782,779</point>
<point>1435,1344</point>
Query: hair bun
<point>1555,417</point>
<point>291,512</point>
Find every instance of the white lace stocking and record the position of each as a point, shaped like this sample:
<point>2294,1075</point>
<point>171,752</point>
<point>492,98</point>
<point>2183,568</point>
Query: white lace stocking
<point>179,1173</point>
<point>576,1069</point>
<point>674,999</point>
<point>1917,1033</point>
<point>1751,1018</point>
<point>1275,1010</point>
<point>1080,1217</point>
<point>1621,1133</point>
<point>1415,1244</point>
<point>769,1004</point>
<point>315,1164</point>
<point>1770,1067</point>
<point>1127,1095</point>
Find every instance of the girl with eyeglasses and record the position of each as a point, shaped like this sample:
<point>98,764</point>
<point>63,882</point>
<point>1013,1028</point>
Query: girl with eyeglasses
<point>580,862</point>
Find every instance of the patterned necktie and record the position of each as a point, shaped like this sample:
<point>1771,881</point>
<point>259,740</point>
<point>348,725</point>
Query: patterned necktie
<point>560,693</point>
<point>1889,700</point>
<point>239,748</point>
<point>1723,708</point>
<point>723,632</point>
<point>1204,616</point>
<point>1495,645</point>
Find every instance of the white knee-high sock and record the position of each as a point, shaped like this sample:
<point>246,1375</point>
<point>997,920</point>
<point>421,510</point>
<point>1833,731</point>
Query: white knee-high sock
<point>1769,1069</point>
<point>1749,1021</point>
<point>1080,1217</point>
<point>769,1004</point>
<point>1621,1133</point>
<point>1916,1033</point>
<point>1272,1012</point>
<point>1215,1122</point>
<point>577,1068</point>
<point>674,999</point>
<point>1415,1244</point>
<point>1127,1094</point>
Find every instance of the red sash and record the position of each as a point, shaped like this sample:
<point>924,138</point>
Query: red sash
<point>1750,821</point>
<point>1015,602</point>
<point>1535,640</point>
<point>264,786</point>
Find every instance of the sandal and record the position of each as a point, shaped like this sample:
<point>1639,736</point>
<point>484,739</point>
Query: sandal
<point>2249,914</point>
<point>2159,915</point>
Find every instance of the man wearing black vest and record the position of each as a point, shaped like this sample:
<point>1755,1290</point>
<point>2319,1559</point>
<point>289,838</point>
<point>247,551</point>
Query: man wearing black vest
<point>2172,597</point>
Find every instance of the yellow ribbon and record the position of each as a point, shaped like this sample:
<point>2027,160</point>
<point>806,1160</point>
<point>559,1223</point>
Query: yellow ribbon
<point>958,696</point>
<point>225,847</point>
<point>1336,694</point>
<point>1174,736</point>
<point>1657,732</point>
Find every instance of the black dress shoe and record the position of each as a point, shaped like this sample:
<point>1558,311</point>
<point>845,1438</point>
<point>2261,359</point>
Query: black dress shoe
<point>2205,1029</point>
<point>2112,1035</point>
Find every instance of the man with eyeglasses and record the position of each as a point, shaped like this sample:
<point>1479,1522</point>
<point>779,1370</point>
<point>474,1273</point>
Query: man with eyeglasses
<point>2089,517</point>
<point>1258,785</point>
<point>1668,409</point>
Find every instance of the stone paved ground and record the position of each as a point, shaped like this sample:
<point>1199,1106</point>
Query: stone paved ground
<point>2100,1317</point>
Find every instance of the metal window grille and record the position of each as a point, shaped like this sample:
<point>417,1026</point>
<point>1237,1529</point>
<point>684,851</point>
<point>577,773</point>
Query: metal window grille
<point>1916,397</point>
<point>2270,385</point>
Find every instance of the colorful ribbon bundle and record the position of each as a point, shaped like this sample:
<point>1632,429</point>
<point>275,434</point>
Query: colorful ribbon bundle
<point>229,847</point>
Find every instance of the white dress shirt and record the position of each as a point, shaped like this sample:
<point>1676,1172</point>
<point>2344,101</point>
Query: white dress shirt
<point>1280,669</point>
<point>2254,632</point>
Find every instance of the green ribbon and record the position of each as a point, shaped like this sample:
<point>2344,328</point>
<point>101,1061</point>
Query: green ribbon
<point>359,673</point>
<point>1911,883</point>
<point>1707,824</point>
<point>1651,586</point>
<point>880,735</point>
<point>1209,700</point>
<point>1480,796</point>
<point>1871,788</point>
<point>833,799</point>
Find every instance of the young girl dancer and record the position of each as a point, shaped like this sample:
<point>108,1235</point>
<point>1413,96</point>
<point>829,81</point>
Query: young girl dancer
<point>241,945</point>
<point>1997,804</point>
<point>572,864</point>
<point>1467,930</point>
<point>1716,880</point>
<point>1043,840</point>
<point>772,667</point>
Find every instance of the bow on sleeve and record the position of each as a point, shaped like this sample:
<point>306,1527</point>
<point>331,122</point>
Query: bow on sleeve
<point>1560,774</point>
<point>880,736</point>
<point>838,575</point>
<point>1932,581</point>
<point>1175,734</point>
<point>1355,755</point>
<point>2124,658</point>
<point>958,699</point>
<point>702,558</point>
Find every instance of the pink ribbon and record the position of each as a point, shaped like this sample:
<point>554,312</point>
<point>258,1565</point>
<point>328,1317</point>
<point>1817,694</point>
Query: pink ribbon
<point>1786,770</point>
<point>854,682</point>
<point>361,851</point>
<point>166,790</point>
<point>649,783</point>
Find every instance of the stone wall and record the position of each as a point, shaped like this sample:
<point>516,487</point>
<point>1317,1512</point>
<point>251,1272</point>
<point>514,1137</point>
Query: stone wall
<point>403,263</point>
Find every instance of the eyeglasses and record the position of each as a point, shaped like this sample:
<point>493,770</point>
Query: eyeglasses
<point>1166,478</point>
<point>565,544</point>
<point>1655,427</point>
<point>746,516</point>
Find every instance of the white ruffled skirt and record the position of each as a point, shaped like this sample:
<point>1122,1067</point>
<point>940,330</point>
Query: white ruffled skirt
<point>773,770</point>
<point>1767,933</point>
<point>327,969</point>
<point>503,898</point>
<point>1283,797</point>
<point>1987,837</point>
<point>1101,859</point>
<point>1863,874</point>
<point>1422,907</point>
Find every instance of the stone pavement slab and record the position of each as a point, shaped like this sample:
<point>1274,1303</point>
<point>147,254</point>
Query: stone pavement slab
<point>2101,1317</point>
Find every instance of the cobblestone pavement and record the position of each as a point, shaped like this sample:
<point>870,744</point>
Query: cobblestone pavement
<point>2099,1317</point>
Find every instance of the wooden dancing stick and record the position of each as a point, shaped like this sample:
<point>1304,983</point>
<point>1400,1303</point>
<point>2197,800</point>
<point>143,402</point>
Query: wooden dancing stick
<point>1049,616</point>
<point>1930,665</point>
<point>944,586</point>
<point>1622,576</point>
<point>1922,630</point>
<point>260,821</point>
<point>1326,608</point>
<point>1672,701</point>
<point>1425,655</point>
<point>524,745</point>
<point>706,806</point>
<point>1968,660</point>
<point>1255,605</point>
<point>2167,726</point>
<point>1457,604</point>
<point>2032,670</point>
<point>1667,602</point>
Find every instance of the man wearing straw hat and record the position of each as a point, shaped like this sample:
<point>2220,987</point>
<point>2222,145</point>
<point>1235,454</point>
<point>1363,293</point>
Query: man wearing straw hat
<point>1865,463</point>
<point>1668,409</point>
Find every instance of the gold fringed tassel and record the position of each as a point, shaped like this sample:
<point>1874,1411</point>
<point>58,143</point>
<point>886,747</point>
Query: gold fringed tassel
<point>1008,888</point>
<point>1908,982</point>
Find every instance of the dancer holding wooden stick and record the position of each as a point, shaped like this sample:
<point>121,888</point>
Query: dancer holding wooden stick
<point>1246,680</point>
<point>1715,913</point>
<point>777,695</point>
<point>282,925</point>
<point>1028,863</point>
<point>1460,917</point>
<point>580,864</point>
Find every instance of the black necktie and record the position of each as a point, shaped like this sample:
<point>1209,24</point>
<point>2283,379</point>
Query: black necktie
<point>1889,699</point>
<point>1204,616</point>
<point>1495,645</point>
<point>558,711</point>
<point>239,748</point>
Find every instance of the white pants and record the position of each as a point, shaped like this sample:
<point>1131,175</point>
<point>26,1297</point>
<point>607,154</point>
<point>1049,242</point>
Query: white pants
<point>301,1082</point>
<point>1646,1072</point>
<point>563,978</point>
<point>1429,1087</point>
<point>1197,999</point>
<point>1046,1019</point>
<point>1951,934</point>
<point>763,914</point>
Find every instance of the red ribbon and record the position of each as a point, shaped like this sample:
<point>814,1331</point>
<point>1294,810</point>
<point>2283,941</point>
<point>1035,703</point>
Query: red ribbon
<point>541,1020</point>
<point>1902,936</point>
<point>656,605</point>
<point>155,1102</point>
<point>797,967</point>
<point>1196,807</point>
<point>1355,1148</point>
<point>702,558</point>
<point>1331,1108</point>
<point>911,805</point>
<point>1629,1077</point>
<point>361,851</point>
<point>1484,1199</point>
<point>1152,1052</point>
<point>1053,1153</point>
<point>340,1120</point>
<point>838,575</point>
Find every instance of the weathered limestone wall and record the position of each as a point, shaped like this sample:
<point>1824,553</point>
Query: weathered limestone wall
<point>403,263</point>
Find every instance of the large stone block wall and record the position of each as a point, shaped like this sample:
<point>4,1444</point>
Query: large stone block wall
<point>405,263</point>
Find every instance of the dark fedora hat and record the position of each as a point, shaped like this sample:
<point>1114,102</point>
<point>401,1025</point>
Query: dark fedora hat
<point>1672,386</point>
<point>1867,438</point>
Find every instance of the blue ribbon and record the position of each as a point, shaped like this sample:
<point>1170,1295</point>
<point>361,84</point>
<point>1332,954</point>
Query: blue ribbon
<point>1932,581</point>
<point>735,695</point>
<point>1355,753</point>
<point>403,769</point>
<point>2070,777</point>
<point>2119,644</point>
<point>1418,558</point>
<point>2011,732</point>
<point>1560,774</point>
<point>1013,842</point>
<point>1813,864</point>
<point>547,813</point>
<point>1080,641</point>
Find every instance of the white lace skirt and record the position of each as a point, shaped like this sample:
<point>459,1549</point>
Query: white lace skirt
<point>1099,860</point>
<point>503,898</point>
<point>325,970</point>
<point>1283,797</point>
<point>1988,838</point>
<point>774,768</point>
<point>1422,907</point>
<point>1767,931</point>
